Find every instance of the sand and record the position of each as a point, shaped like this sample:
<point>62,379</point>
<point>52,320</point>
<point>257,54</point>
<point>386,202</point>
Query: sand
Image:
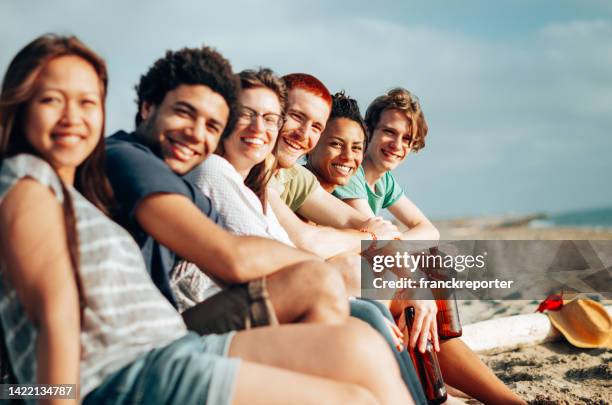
<point>556,373</point>
<point>551,373</point>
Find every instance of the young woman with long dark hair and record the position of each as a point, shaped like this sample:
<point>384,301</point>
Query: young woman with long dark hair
<point>76,303</point>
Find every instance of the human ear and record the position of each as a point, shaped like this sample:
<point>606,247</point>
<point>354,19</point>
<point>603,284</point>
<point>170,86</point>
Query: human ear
<point>146,110</point>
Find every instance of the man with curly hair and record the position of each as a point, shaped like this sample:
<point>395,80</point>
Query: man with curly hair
<point>186,102</point>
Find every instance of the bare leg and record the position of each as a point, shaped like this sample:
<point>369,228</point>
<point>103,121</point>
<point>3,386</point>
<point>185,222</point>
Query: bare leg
<point>463,369</point>
<point>352,353</point>
<point>292,388</point>
<point>309,292</point>
<point>349,265</point>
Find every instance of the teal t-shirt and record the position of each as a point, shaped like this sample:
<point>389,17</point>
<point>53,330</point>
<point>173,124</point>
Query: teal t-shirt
<point>386,190</point>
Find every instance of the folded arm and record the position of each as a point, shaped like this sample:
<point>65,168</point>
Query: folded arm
<point>419,227</point>
<point>320,240</point>
<point>324,209</point>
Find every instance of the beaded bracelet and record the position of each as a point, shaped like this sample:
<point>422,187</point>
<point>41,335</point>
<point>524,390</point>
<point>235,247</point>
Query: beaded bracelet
<point>372,234</point>
<point>374,239</point>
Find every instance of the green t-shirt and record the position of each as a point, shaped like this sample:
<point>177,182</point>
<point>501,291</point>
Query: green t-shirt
<point>386,190</point>
<point>294,185</point>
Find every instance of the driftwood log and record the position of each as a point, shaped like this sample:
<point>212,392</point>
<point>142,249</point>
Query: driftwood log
<point>507,333</point>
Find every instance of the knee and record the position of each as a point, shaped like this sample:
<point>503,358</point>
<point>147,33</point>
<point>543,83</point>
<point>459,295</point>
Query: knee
<point>349,266</point>
<point>369,344</point>
<point>328,287</point>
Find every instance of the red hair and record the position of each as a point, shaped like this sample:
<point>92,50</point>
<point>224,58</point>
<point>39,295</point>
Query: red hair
<point>309,83</point>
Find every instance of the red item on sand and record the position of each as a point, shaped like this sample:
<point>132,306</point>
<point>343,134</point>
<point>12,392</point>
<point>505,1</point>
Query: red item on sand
<point>553,302</point>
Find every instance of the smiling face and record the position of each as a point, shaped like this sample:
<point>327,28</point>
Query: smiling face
<point>185,128</point>
<point>339,152</point>
<point>390,141</point>
<point>306,118</point>
<point>64,119</point>
<point>256,129</point>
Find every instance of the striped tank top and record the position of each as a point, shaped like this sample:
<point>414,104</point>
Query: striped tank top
<point>125,315</point>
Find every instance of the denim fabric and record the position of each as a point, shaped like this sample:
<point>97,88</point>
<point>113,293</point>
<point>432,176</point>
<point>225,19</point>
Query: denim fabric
<point>191,370</point>
<point>372,313</point>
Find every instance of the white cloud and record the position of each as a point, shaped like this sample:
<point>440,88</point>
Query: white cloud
<point>535,105</point>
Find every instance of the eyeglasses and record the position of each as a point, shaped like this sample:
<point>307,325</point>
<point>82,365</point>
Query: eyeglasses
<point>272,121</point>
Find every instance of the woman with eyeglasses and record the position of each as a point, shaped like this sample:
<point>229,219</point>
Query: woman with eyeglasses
<point>235,177</point>
<point>77,305</point>
<point>235,180</point>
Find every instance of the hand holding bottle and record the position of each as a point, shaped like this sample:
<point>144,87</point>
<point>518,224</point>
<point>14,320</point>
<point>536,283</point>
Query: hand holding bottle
<point>424,325</point>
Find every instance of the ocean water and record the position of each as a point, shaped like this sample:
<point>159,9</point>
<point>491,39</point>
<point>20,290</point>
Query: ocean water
<point>597,218</point>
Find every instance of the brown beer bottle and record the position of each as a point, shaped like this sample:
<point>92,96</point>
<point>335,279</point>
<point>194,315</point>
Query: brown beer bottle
<point>427,367</point>
<point>447,318</point>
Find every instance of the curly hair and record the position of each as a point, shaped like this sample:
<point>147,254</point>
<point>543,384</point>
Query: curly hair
<point>309,83</point>
<point>190,66</point>
<point>402,100</point>
<point>344,106</point>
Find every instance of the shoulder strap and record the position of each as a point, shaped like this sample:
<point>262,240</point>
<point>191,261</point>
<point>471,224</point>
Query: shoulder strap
<point>25,165</point>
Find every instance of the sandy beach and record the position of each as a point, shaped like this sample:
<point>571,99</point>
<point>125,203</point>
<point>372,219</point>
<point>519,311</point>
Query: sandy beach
<point>556,373</point>
<point>549,373</point>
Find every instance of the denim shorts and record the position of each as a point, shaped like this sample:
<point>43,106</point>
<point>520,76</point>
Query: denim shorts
<point>191,370</point>
<point>372,313</point>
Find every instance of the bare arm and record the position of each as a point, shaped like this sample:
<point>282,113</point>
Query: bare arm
<point>320,240</point>
<point>174,221</point>
<point>362,206</point>
<point>34,246</point>
<point>324,209</point>
<point>419,227</point>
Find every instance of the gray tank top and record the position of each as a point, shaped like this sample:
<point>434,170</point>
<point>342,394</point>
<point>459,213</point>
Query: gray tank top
<point>125,316</point>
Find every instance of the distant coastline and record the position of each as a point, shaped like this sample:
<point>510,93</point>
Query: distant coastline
<point>588,224</point>
<point>592,223</point>
<point>595,218</point>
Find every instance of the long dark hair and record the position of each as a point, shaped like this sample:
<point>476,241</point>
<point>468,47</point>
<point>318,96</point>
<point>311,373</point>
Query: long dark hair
<point>260,174</point>
<point>18,88</point>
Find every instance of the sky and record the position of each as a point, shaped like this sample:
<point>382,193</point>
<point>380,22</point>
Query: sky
<point>517,94</point>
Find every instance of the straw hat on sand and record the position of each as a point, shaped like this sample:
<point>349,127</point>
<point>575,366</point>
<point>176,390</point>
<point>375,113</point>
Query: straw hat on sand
<point>584,323</point>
